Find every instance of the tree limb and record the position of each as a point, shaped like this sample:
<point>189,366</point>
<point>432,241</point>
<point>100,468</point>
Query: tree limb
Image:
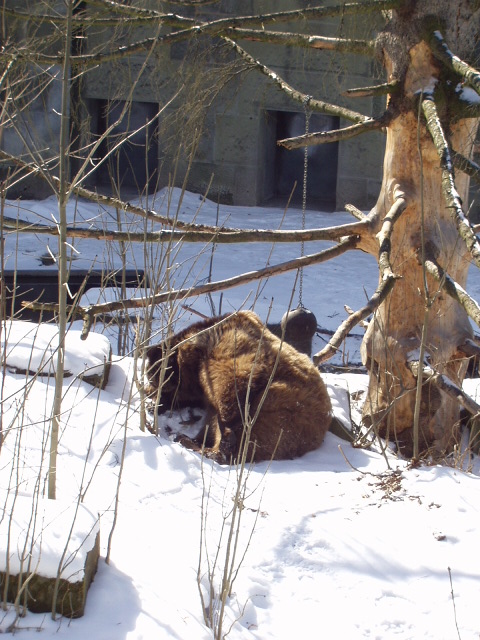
<point>308,13</point>
<point>387,88</point>
<point>364,47</point>
<point>387,280</point>
<point>469,167</point>
<point>385,234</point>
<point>355,318</point>
<point>88,313</point>
<point>450,193</point>
<point>186,231</point>
<point>441,51</point>
<point>445,384</point>
<point>293,94</point>
<point>322,137</point>
<point>219,235</point>
<point>454,290</point>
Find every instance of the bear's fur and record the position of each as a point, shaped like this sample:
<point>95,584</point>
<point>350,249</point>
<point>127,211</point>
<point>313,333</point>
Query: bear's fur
<point>224,365</point>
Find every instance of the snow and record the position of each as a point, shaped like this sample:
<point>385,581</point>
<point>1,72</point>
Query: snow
<point>28,346</point>
<point>342,543</point>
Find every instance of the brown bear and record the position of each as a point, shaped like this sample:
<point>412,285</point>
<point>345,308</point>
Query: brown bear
<point>254,388</point>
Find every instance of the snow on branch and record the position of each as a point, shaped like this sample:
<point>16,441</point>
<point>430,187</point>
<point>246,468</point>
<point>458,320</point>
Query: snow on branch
<point>441,51</point>
<point>445,384</point>
<point>454,290</point>
<point>452,198</point>
<point>469,167</point>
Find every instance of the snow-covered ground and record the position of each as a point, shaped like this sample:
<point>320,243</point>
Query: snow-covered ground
<point>342,543</point>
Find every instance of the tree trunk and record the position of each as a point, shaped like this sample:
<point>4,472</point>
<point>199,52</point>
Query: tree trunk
<point>418,314</point>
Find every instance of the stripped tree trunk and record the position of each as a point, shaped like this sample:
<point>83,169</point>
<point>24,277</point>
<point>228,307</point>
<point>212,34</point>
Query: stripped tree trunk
<point>418,317</point>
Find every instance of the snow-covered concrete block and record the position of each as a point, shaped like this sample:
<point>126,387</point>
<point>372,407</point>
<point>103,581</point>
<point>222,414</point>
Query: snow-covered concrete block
<point>32,347</point>
<point>48,554</point>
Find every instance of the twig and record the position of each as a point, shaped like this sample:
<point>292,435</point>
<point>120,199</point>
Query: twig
<point>453,602</point>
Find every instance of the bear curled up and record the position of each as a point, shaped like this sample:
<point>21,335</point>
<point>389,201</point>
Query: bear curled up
<point>233,367</point>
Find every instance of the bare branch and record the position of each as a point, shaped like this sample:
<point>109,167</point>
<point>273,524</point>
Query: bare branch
<point>387,280</point>
<point>445,384</point>
<point>469,167</point>
<point>385,234</point>
<point>378,90</point>
<point>450,193</point>
<point>219,235</point>
<point>186,231</point>
<point>454,290</point>
<point>441,51</point>
<point>355,318</point>
<point>364,47</point>
<point>88,313</point>
<point>356,213</point>
<point>336,135</point>
<point>293,94</point>
<point>312,13</point>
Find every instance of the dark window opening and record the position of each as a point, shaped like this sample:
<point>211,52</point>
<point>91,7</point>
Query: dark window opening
<point>132,163</point>
<point>288,166</point>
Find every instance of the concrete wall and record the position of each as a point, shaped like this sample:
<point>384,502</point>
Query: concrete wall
<point>236,155</point>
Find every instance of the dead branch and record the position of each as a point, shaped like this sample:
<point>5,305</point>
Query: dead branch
<point>356,213</point>
<point>470,348</point>
<point>388,88</point>
<point>450,193</point>
<point>454,290</point>
<point>469,167</point>
<point>385,233</point>
<point>387,280</point>
<point>445,384</point>
<point>88,313</point>
<point>336,135</point>
<point>189,27</point>
<point>364,47</point>
<point>293,94</point>
<point>219,235</point>
<point>312,13</point>
<point>355,318</point>
<point>441,51</point>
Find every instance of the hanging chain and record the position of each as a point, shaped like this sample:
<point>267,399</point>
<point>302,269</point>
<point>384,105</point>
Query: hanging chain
<point>306,100</point>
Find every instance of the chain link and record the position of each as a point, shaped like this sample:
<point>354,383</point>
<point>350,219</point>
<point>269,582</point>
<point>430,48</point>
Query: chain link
<point>306,101</point>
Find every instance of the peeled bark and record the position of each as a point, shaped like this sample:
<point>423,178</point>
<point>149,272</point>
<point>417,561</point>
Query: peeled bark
<point>427,229</point>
